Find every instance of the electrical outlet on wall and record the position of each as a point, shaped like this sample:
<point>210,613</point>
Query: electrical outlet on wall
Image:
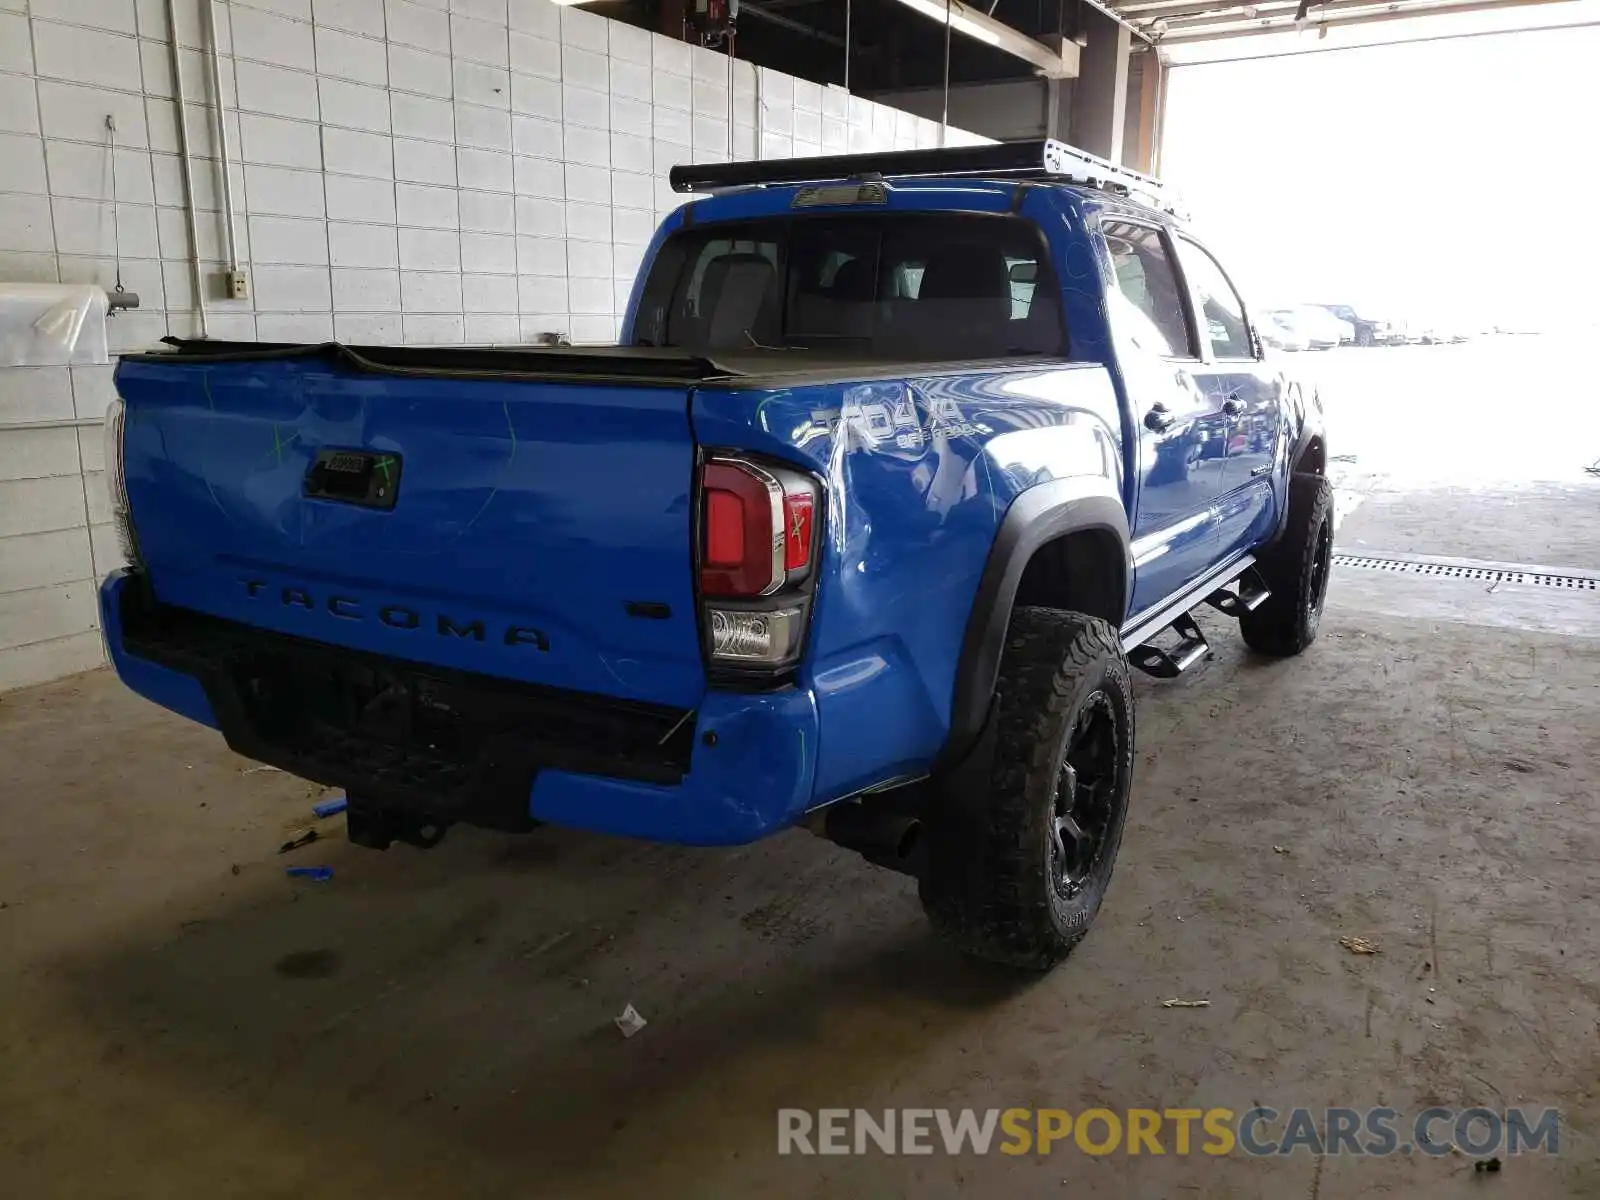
<point>236,284</point>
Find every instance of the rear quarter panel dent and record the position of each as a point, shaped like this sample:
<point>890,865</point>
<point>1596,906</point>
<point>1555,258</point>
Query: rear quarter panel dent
<point>919,473</point>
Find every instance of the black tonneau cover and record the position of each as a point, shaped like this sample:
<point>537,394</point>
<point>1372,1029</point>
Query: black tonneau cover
<point>644,365</point>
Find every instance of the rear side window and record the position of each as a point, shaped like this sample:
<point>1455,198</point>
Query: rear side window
<point>1221,311</point>
<point>899,286</point>
<point>1146,281</point>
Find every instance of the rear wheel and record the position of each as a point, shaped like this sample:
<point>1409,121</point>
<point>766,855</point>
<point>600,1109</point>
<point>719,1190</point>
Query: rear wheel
<point>1021,853</point>
<point>1296,571</point>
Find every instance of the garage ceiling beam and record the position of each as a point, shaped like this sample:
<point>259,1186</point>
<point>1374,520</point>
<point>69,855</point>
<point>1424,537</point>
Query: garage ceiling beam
<point>981,27</point>
<point>1268,15</point>
<point>1166,8</point>
<point>1114,12</point>
<point>1288,10</point>
<point>1278,16</point>
<point>1281,10</point>
<point>764,13</point>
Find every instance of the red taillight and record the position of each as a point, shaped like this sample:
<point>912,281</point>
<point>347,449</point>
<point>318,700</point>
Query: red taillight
<point>724,529</point>
<point>757,539</point>
<point>797,509</point>
<point>742,551</point>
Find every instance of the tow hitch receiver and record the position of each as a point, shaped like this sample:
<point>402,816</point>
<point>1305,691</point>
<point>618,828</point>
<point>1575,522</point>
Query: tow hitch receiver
<point>377,827</point>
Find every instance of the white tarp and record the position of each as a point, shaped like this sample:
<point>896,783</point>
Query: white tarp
<point>52,324</point>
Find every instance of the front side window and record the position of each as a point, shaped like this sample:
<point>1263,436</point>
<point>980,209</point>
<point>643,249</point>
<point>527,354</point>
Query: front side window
<point>1221,314</point>
<point>1145,280</point>
<point>906,285</point>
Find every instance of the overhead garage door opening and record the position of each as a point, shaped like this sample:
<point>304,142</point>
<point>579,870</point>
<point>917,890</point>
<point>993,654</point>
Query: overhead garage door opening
<point>1410,189</point>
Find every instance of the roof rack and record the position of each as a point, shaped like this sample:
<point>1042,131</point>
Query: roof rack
<point>1044,159</point>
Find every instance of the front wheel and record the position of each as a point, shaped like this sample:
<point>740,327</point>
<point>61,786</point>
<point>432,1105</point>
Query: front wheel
<point>1296,571</point>
<point>1019,857</point>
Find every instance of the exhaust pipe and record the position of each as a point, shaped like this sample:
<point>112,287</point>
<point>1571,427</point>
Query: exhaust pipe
<point>885,838</point>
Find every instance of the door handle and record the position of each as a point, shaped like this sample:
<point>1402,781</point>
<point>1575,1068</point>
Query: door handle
<point>1158,419</point>
<point>1233,406</point>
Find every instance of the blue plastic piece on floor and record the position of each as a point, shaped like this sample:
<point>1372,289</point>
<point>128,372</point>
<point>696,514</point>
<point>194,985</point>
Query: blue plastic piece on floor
<point>318,873</point>
<point>331,808</point>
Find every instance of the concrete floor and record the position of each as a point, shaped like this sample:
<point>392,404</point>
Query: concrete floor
<point>177,1018</point>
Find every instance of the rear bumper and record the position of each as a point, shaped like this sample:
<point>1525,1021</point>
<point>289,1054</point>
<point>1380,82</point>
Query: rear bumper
<point>739,767</point>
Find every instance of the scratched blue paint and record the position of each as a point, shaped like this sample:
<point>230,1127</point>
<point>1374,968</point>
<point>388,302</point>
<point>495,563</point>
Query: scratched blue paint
<point>756,778</point>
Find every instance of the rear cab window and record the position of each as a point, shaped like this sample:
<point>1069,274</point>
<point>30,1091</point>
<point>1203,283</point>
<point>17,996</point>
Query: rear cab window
<point>926,286</point>
<point>1147,296</point>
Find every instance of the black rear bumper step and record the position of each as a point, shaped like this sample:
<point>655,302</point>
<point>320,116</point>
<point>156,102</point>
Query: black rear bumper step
<point>412,735</point>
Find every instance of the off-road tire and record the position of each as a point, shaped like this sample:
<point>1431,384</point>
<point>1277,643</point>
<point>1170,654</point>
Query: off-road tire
<point>991,883</point>
<point>1296,571</point>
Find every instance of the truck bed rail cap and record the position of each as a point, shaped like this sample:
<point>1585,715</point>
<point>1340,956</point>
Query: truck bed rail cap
<point>632,364</point>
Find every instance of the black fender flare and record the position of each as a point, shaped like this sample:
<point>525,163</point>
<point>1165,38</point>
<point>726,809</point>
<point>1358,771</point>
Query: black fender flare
<point>1041,514</point>
<point>1312,429</point>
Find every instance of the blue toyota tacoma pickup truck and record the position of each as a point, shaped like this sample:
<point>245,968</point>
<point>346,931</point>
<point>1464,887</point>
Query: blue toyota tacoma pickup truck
<point>905,460</point>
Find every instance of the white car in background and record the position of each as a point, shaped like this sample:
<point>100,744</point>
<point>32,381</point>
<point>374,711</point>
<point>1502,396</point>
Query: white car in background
<point>1279,330</point>
<point>1323,330</point>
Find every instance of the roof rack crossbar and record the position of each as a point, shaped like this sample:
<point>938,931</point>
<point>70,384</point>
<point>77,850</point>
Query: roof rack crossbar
<point>1043,159</point>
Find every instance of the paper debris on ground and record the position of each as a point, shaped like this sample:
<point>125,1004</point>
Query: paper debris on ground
<point>1358,945</point>
<point>1176,1003</point>
<point>1280,850</point>
<point>630,1022</point>
<point>258,770</point>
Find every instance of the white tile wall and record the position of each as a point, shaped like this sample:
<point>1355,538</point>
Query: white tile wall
<point>420,71</point>
<point>354,105</point>
<point>354,199</point>
<point>422,117</point>
<point>404,171</point>
<point>416,25</point>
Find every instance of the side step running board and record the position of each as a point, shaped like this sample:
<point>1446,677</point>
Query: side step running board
<point>1234,588</point>
<point>1250,590</point>
<point>1170,663</point>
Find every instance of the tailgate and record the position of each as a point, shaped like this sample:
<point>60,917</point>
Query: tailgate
<point>529,529</point>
